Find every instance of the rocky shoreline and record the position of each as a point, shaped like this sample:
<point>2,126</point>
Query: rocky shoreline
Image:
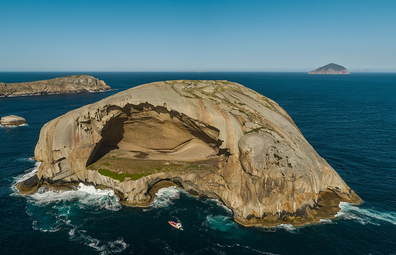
<point>61,85</point>
<point>215,139</point>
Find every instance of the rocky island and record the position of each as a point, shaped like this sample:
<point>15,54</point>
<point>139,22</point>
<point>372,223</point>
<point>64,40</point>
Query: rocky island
<point>215,139</point>
<point>68,84</point>
<point>330,69</point>
<point>12,120</point>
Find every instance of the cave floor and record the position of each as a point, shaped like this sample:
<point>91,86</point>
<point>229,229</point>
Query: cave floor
<point>120,164</point>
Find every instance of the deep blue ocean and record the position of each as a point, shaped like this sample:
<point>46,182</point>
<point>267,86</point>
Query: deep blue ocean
<point>350,120</point>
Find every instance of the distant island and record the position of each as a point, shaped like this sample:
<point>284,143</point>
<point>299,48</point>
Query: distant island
<point>67,84</point>
<point>330,69</point>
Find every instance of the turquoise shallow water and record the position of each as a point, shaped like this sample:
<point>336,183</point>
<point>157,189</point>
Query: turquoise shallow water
<point>350,121</point>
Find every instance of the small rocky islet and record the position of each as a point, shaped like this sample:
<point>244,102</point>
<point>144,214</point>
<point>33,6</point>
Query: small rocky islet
<point>12,120</point>
<point>215,139</point>
<point>330,69</point>
<point>61,85</point>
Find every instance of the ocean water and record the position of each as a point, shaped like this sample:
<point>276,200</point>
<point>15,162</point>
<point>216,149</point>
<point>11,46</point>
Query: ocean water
<point>349,120</point>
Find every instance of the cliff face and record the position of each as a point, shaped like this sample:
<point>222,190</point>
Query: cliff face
<point>215,139</point>
<point>68,84</point>
<point>330,69</point>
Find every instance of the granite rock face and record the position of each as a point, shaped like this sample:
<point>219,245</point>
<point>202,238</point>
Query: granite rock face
<point>330,69</point>
<point>215,139</point>
<point>12,120</point>
<point>68,84</point>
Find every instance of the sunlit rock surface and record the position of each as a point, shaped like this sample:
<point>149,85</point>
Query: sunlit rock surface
<point>67,84</point>
<point>215,139</point>
<point>12,120</point>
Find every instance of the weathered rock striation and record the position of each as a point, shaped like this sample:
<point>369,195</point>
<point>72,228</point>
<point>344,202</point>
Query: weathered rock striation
<point>330,69</point>
<point>12,120</point>
<point>67,84</point>
<point>215,139</point>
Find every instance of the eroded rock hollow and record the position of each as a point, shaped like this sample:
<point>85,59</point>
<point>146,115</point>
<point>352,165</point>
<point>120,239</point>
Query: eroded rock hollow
<point>215,139</point>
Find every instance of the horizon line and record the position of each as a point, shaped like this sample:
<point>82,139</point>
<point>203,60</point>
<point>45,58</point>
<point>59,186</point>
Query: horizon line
<point>186,71</point>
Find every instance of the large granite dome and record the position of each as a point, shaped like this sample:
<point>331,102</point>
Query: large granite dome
<point>215,139</point>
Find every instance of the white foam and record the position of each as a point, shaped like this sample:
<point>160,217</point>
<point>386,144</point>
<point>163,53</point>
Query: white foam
<point>165,197</point>
<point>325,221</point>
<point>87,196</point>
<point>221,204</point>
<point>50,211</point>
<point>364,216</point>
<point>245,247</point>
<point>51,229</point>
<point>104,247</point>
<point>23,177</point>
<point>287,227</point>
<point>14,126</point>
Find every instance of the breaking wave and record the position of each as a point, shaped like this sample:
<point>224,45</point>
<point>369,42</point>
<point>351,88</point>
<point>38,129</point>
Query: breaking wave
<point>54,211</point>
<point>165,197</point>
<point>87,196</point>
<point>365,216</point>
<point>326,221</point>
<point>286,227</point>
<point>22,177</point>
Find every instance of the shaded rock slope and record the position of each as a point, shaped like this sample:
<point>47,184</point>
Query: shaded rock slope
<point>330,69</point>
<point>67,84</point>
<point>215,139</point>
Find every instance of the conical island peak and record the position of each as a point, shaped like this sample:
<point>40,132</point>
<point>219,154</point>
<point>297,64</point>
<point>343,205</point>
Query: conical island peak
<point>330,69</point>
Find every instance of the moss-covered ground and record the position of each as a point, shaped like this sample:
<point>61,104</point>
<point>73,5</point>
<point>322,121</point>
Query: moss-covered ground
<point>122,169</point>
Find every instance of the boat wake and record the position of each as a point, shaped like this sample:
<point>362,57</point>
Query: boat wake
<point>365,216</point>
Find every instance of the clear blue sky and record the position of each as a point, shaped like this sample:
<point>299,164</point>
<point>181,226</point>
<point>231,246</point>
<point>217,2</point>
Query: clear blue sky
<point>196,35</point>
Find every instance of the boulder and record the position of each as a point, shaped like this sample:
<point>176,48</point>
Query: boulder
<point>215,139</point>
<point>12,120</point>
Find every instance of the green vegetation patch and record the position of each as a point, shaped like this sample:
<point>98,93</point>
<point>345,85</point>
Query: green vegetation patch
<point>121,176</point>
<point>135,168</point>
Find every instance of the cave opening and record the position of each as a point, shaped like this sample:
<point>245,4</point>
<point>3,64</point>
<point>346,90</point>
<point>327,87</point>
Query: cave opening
<point>148,132</point>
